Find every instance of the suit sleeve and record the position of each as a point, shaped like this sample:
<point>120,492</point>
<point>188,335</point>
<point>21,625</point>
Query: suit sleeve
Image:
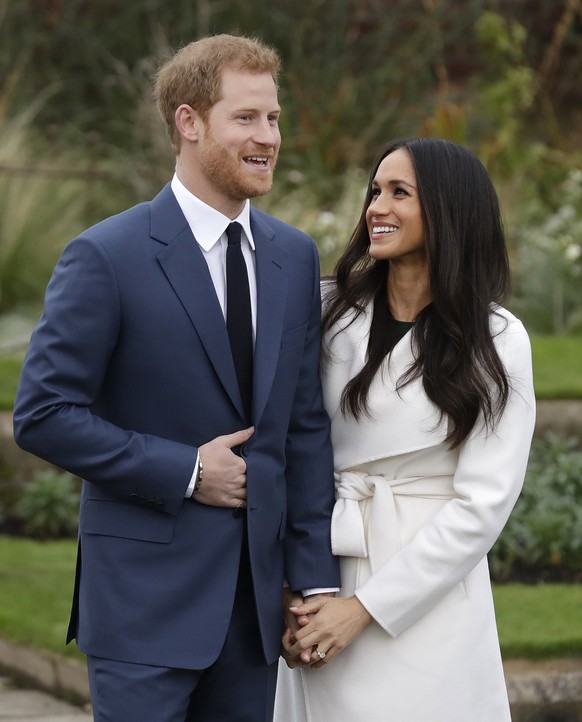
<point>62,376</point>
<point>487,483</point>
<point>309,562</point>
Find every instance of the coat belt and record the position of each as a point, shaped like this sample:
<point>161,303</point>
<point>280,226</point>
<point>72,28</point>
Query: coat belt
<point>348,536</point>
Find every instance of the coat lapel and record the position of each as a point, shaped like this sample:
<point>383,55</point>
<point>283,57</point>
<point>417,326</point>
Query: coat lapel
<point>271,265</point>
<point>183,264</point>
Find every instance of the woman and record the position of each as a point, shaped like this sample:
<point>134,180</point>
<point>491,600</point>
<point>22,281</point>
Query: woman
<point>428,384</point>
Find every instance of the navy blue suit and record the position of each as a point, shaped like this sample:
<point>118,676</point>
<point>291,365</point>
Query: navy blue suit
<point>128,371</point>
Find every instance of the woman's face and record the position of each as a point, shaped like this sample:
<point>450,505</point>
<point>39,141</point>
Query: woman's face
<point>393,216</point>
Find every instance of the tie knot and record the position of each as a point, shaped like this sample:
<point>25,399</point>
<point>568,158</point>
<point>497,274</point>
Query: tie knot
<point>233,233</point>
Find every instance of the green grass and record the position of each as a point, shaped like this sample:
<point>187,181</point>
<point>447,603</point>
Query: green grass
<point>539,621</point>
<point>557,362</point>
<point>36,580</point>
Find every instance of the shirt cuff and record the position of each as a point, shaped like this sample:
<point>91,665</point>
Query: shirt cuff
<point>192,483</point>
<point>319,590</point>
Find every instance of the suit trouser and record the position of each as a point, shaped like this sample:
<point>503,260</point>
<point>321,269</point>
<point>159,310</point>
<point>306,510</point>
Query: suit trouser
<point>238,687</point>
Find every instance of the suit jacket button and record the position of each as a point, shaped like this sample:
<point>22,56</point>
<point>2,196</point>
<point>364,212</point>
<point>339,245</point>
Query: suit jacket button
<point>243,450</point>
<point>238,512</point>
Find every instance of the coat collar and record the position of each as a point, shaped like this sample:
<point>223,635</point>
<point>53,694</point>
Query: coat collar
<point>400,421</point>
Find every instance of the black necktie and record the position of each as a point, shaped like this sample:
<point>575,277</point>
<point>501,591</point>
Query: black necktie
<point>238,315</point>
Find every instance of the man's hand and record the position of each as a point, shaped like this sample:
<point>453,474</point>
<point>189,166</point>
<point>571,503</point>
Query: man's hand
<point>293,624</point>
<point>224,480</point>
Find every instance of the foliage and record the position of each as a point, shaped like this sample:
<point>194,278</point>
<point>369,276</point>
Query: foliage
<point>356,72</point>
<point>9,375</point>
<point>49,506</point>
<point>36,211</point>
<point>292,202</point>
<point>543,537</point>
<point>548,260</point>
<point>504,95</point>
<point>75,100</point>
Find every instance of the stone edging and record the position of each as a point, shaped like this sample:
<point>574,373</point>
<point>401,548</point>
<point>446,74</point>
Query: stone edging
<point>50,672</point>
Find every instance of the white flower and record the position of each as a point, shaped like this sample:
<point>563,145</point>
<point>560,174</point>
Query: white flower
<point>573,252</point>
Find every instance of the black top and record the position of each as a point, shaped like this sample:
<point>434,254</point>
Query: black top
<point>397,329</point>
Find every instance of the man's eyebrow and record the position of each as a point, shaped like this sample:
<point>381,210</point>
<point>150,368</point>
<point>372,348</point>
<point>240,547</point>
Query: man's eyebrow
<point>277,109</point>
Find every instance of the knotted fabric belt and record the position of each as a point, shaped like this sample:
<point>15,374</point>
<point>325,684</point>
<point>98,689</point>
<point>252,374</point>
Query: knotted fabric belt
<point>348,537</point>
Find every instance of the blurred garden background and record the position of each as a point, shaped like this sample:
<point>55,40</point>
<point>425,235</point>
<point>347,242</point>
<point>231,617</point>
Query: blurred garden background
<point>80,140</point>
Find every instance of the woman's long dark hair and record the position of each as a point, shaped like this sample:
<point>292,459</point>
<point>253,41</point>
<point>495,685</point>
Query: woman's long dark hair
<point>460,368</point>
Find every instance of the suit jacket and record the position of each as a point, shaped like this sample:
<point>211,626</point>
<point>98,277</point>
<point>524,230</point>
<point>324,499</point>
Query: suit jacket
<point>128,371</point>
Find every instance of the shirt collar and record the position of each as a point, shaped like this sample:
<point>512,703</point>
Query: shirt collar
<point>206,223</point>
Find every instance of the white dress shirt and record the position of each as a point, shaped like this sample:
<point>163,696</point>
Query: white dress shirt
<point>209,228</point>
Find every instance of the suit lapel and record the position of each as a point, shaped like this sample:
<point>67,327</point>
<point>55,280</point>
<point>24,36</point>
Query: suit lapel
<point>271,265</point>
<point>183,264</point>
<point>185,268</point>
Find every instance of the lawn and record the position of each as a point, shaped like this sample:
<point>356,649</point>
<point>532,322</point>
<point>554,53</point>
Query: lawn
<point>36,580</point>
<point>539,621</point>
<point>557,361</point>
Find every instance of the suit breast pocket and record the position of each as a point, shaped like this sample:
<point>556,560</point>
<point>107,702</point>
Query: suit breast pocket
<point>293,336</point>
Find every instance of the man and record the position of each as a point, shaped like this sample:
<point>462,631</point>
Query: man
<point>207,468</point>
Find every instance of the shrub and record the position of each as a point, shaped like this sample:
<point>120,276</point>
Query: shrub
<point>543,539</point>
<point>49,506</point>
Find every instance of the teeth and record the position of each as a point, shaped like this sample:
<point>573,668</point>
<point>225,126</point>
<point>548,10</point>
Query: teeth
<point>384,229</point>
<point>258,158</point>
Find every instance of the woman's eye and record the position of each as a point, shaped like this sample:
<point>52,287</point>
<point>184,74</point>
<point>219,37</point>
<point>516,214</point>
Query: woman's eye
<point>375,192</point>
<point>400,192</point>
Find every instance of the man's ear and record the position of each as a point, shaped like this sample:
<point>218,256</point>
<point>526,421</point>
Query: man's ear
<point>188,122</point>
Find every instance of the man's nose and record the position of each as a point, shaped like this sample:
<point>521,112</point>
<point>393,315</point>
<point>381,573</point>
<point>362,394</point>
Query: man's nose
<point>266,133</point>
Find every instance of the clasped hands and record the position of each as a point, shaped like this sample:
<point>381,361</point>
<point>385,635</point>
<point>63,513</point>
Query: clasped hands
<point>319,627</point>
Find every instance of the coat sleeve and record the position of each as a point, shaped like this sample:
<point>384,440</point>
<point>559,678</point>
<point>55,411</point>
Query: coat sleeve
<point>487,483</point>
<point>55,414</point>
<point>309,562</point>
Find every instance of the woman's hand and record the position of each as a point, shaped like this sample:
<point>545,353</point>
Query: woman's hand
<point>335,623</point>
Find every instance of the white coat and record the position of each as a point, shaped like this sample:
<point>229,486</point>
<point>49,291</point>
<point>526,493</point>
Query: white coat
<point>413,523</point>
